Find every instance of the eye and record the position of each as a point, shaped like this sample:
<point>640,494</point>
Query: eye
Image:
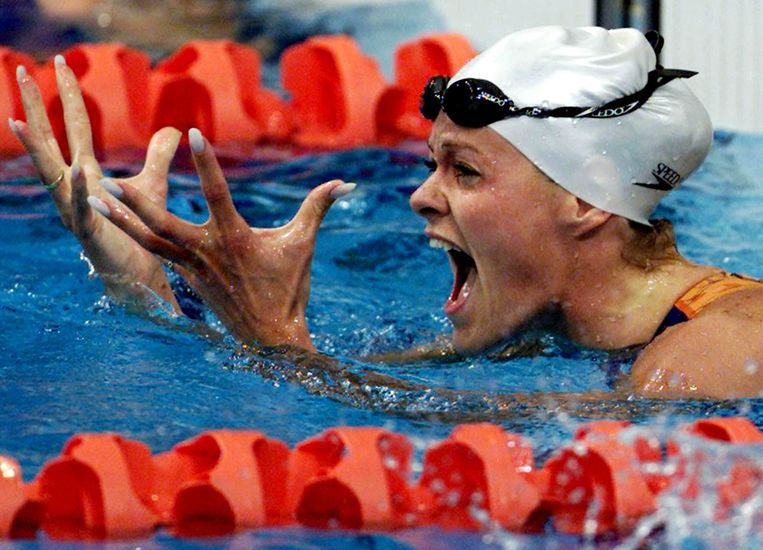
<point>431,165</point>
<point>465,171</point>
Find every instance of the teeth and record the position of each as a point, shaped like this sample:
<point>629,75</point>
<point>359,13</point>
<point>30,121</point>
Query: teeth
<point>437,243</point>
<point>446,246</point>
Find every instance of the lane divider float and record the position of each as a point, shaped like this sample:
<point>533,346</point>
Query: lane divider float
<point>337,95</point>
<point>609,477</point>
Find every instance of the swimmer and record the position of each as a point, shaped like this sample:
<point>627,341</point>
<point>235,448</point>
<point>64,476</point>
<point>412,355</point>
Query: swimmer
<point>549,153</point>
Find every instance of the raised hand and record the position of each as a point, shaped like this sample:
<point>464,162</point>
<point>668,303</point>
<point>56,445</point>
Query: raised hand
<point>257,281</point>
<point>130,273</point>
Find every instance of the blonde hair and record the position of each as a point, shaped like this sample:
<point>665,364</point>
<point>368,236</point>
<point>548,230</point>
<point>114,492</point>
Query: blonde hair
<point>651,246</point>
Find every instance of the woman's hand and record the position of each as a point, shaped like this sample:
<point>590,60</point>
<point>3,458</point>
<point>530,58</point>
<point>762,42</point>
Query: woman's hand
<point>257,281</point>
<point>129,272</point>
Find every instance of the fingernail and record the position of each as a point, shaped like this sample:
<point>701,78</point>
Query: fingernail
<point>21,72</point>
<point>342,190</point>
<point>99,206</point>
<point>13,127</point>
<point>75,170</point>
<point>196,140</point>
<point>59,60</point>
<point>111,187</point>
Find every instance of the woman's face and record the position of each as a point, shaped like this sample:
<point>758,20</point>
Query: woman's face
<point>496,215</point>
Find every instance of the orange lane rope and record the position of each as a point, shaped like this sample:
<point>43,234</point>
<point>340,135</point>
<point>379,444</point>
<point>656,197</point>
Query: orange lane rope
<point>605,480</point>
<point>338,97</point>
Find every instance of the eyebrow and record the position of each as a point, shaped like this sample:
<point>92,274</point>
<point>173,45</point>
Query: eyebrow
<point>454,145</point>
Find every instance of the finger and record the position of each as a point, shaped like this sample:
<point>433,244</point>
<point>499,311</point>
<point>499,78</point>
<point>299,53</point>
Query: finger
<point>52,174</point>
<point>76,119</point>
<point>134,227</point>
<point>81,211</point>
<point>161,152</point>
<point>219,201</point>
<point>317,204</point>
<point>37,134</point>
<point>152,180</point>
<point>155,217</point>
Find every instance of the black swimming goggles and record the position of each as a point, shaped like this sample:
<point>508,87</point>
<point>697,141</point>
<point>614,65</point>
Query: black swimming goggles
<point>474,103</point>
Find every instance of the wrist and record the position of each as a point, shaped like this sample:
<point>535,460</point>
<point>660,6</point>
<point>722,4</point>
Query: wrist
<point>292,333</point>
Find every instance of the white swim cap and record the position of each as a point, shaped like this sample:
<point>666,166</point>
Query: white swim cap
<point>622,161</point>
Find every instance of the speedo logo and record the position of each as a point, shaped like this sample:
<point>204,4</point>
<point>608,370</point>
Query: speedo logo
<point>612,112</point>
<point>667,178</point>
<point>493,99</point>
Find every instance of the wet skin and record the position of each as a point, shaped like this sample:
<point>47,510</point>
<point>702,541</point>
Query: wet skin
<point>524,246</point>
<point>485,198</point>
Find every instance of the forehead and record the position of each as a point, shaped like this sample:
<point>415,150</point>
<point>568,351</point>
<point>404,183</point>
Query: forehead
<point>479,143</point>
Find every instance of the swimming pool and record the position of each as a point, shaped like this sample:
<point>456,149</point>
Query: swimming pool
<point>73,362</point>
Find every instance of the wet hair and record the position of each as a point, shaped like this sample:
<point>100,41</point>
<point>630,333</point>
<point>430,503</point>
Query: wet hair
<point>651,246</point>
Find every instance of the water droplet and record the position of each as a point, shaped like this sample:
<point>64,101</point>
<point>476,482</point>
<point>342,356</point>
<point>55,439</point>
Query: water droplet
<point>750,367</point>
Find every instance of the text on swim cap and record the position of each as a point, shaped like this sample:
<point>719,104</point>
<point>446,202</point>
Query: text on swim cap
<point>667,178</point>
<point>666,174</point>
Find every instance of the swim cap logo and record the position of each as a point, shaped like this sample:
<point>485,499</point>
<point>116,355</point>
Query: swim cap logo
<point>612,112</point>
<point>667,178</point>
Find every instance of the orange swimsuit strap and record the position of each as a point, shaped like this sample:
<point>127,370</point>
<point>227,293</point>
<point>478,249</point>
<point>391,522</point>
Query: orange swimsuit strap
<point>703,294</point>
<point>710,289</point>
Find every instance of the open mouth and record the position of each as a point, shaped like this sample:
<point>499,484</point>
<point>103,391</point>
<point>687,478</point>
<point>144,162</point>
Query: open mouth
<point>464,274</point>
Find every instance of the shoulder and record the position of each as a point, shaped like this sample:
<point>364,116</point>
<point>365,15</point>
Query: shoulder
<point>718,354</point>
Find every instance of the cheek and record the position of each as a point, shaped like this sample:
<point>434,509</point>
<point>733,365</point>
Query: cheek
<point>496,222</point>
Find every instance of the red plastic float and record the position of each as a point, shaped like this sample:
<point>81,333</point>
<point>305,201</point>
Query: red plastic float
<point>106,486</point>
<point>20,513</point>
<point>352,478</point>
<point>113,80</point>
<point>100,487</point>
<point>214,85</point>
<point>596,483</point>
<point>221,481</point>
<point>334,89</point>
<point>336,92</point>
<point>397,114</point>
<point>10,99</point>
<point>480,468</point>
<point>744,477</point>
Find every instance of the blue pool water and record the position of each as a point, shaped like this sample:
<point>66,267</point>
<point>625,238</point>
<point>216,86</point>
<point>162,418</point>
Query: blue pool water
<point>72,362</point>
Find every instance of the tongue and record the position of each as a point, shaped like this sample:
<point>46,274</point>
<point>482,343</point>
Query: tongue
<point>465,271</point>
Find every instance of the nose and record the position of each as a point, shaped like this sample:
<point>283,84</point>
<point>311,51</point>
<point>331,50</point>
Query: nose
<point>428,200</point>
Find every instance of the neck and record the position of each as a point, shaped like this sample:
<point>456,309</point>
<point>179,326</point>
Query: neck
<point>609,303</point>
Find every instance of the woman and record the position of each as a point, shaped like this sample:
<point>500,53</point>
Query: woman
<point>549,152</point>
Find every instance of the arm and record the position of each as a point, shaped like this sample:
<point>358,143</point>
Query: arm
<point>442,350</point>
<point>257,281</point>
<point>131,274</point>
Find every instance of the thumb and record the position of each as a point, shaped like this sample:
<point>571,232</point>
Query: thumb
<point>161,151</point>
<point>318,201</point>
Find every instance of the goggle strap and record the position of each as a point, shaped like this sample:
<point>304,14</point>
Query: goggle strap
<point>431,99</point>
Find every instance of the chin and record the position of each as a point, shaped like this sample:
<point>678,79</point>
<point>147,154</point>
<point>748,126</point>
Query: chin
<point>471,344</point>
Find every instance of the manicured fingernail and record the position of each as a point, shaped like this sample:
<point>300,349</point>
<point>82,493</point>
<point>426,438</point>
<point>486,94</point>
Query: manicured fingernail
<point>21,72</point>
<point>59,60</point>
<point>75,170</point>
<point>13,127</point>
<point>111,187</point>
<point>196,140</point>
<point>99,206</point>
<point>342,190</point>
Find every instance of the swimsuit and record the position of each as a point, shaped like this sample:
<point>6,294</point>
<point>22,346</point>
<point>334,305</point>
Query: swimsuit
<point>686,307</point>
<point>703,294</point>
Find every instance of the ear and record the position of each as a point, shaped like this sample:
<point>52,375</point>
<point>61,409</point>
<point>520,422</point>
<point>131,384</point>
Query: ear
<point>581,218</point>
